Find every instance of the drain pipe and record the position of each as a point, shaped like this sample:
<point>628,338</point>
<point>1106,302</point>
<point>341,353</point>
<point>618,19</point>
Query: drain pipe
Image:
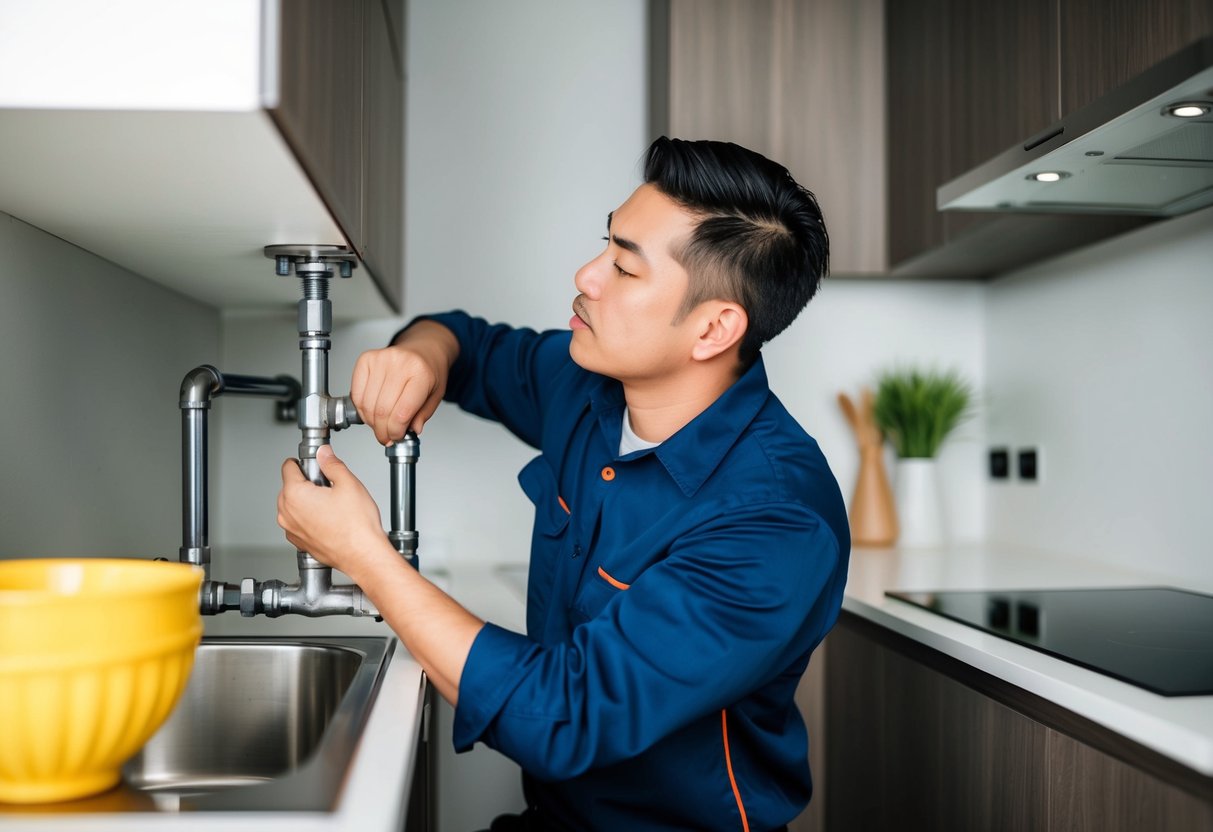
<point>199,387</point>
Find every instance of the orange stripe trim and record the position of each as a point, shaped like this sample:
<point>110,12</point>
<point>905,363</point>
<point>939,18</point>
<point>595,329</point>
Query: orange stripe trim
<point>728,761</point>
<point>563,505</point>
<point>617,584</point>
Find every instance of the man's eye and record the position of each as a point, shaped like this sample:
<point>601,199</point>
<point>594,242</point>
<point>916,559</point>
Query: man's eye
<point>622,273</point>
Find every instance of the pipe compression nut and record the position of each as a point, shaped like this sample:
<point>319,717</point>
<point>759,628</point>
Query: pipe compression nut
<point>248,598</point>
<point>315,316</point>
<point>407,449</point>
<point>342,413</point>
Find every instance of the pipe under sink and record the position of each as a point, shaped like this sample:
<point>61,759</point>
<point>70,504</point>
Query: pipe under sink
<point>264,724</point>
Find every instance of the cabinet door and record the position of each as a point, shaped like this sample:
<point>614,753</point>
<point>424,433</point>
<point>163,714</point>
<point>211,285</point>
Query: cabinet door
<point>384,119</point>
<point>1002,71</point>
<point>916,739</point>
<point>1104,43</point>
<point>1095,792</point>
<point>908,747</point>
<point>918,124</point>
<point>320,60</point>
<point>801,82</point>
<point>967,79</point>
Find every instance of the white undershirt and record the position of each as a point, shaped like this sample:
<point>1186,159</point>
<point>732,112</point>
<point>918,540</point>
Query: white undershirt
<point>629,441</point>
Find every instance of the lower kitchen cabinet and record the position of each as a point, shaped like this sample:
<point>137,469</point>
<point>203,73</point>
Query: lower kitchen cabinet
<point>914,739</point>
<point>421,809</point>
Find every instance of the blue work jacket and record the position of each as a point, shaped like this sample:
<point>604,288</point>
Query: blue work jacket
<point>673,599</point>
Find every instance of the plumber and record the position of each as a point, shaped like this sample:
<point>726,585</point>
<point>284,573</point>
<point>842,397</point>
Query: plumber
<point>690,543</point>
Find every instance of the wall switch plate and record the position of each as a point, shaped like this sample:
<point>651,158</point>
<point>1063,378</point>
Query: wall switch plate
<point>1000,463</point>
<point>1028,460</point>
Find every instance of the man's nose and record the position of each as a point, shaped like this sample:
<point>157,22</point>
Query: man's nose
<point>588,279</point>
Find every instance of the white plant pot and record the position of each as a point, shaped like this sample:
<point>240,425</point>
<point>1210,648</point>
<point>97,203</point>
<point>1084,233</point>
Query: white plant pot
<point>919,506</point>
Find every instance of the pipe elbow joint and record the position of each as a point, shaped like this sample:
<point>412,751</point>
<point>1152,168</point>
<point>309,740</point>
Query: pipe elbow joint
<point>199,386</point>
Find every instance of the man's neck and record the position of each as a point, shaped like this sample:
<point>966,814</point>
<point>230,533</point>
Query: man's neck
<point>660,409</point>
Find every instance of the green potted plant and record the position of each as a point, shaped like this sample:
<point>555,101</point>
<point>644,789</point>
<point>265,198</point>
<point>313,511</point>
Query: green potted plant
<point>916,410</point>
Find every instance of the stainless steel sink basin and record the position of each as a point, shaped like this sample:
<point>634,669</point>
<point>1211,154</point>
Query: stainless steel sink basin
<point>264,724</point>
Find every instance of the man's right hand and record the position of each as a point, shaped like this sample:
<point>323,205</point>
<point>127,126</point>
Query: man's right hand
<point>397,389</point>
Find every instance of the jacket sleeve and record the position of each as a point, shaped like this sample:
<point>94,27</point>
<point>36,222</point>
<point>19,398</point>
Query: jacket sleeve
<point>733,605</point>
<point>504,374</point>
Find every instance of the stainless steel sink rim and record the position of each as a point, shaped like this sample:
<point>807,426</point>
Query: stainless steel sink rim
<point>315,784</point>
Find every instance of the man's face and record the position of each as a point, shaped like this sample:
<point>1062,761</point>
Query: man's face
<point>624,326</point>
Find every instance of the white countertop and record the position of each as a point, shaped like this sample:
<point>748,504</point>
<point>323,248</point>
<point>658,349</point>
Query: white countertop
<point>373,798</point>
<point>1179,727</point>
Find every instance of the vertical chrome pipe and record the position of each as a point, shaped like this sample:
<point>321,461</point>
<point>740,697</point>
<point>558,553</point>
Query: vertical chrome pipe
<point>195,545</point>
<point>402,459</point>
<point>315,325</point>
<point>198,387</point>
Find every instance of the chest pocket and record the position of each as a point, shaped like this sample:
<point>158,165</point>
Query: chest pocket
<point>538,482</point>
<point>596,591</point>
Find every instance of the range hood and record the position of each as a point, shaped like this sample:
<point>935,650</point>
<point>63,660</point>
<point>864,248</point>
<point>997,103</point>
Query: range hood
<point>1124,153</point>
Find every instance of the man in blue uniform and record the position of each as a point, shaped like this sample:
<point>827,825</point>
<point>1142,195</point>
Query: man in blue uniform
<point>690,544</point>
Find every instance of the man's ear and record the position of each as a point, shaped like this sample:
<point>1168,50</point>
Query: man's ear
<point>722,329</point>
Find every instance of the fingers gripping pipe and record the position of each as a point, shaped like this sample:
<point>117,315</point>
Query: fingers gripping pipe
<point>318,413</point>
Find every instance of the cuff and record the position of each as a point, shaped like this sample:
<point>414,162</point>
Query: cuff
<point>454,321</point>
<point>495,666</point>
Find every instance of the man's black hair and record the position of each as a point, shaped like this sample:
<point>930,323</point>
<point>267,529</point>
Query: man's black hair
<point>760,241</point>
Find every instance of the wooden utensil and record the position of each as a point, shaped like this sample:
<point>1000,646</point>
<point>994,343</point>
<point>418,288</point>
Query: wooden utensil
<point>873,514</point>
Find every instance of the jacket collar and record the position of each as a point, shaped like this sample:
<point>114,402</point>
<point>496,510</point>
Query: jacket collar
<point>693,453</point>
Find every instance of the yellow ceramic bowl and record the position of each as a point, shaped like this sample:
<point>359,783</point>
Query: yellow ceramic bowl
<point>94,654</point>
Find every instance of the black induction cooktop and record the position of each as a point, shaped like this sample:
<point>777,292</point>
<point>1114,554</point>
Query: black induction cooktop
<point>1157,638</point>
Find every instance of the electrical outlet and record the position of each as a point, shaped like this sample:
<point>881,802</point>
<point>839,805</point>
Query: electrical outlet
<point>1028,460</point>
<point>1000,463</point>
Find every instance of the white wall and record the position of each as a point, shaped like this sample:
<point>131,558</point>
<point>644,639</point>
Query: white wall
<point>92,362</point>
<point>856,328</point>
<point>1104,359</point>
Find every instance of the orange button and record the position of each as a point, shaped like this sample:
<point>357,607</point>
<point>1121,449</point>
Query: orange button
<point>608,473</point>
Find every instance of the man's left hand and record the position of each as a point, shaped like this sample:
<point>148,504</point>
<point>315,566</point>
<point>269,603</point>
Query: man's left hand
<point>340,526</point>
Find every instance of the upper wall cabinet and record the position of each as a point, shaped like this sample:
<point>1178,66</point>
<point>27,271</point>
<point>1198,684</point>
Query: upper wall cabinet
<point>800,81</point>
<point>179,139</point>
<point>969,79</point>
<point>875,105</point>
<point>1104,43</point>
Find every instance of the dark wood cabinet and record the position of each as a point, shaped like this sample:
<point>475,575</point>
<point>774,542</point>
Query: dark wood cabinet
<point>1104,43</point>
<point>341,110</point>
<point>918,142</point>
<point>905,742</point>
<point>320,66</point>
<point>1002,85</point>
<point>916,739</point>
<point>967,80</point>
<point>800,82</point>
<point>964,80</point>
<point>383,194</point>
<point>1002,77</point>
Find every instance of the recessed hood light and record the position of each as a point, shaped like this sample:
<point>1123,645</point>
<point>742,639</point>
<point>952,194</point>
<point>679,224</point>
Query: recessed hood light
<point>1188,109</point>
<point>1144,148</point>
<point>1048,176</point>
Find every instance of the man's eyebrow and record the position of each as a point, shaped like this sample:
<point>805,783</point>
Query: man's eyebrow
<point>624,243</point>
